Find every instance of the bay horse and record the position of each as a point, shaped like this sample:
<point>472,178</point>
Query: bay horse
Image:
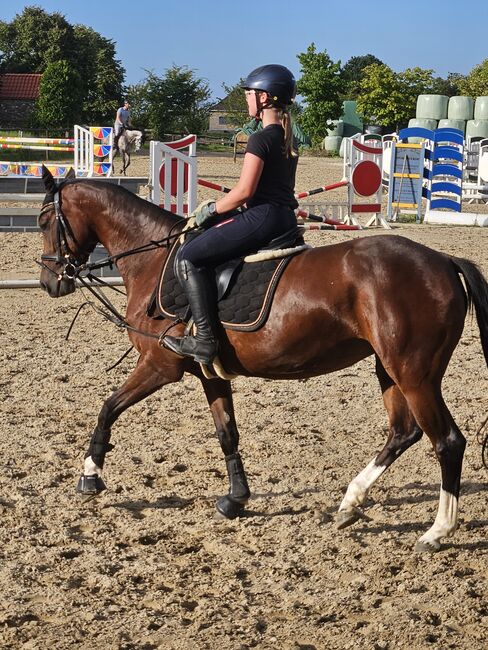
<point>382,295</point>
<point>130,140</point>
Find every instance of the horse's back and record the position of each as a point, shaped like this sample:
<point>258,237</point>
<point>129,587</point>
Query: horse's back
<point>375,289</point>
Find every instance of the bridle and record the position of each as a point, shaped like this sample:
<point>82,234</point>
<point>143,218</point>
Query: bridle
<point>73,266</point>
<point>64,255</point>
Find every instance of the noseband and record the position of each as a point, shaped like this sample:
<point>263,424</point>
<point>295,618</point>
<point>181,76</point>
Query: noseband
<point>64,254</point>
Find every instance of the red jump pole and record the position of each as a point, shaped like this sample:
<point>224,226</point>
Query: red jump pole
<point>324,188</point>
<point>213,186</point>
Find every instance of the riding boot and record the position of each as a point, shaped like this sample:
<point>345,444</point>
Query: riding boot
<point>203,346</point>
<point>116,142</point>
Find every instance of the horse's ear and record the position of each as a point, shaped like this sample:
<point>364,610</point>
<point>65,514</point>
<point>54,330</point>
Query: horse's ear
<point>49,182</point>
<point>71,174</point>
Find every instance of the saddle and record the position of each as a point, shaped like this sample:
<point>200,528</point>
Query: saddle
<point>245,286</point>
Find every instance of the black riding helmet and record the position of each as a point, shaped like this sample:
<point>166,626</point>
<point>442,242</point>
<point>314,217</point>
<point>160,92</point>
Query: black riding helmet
<point>274,79</point>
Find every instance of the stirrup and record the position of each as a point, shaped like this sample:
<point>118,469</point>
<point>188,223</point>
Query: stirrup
<point>188,346</point>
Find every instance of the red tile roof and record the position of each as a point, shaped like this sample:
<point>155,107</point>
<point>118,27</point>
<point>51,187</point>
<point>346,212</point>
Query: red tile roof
<point>19,86</point>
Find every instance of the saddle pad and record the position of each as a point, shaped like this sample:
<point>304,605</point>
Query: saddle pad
<point>245,305</point>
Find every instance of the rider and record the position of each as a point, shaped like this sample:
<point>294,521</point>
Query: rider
<point>265,192</point>
<point>122,121</point>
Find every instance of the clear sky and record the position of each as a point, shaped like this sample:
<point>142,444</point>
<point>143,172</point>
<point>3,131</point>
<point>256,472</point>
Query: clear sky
<point>223,40</point>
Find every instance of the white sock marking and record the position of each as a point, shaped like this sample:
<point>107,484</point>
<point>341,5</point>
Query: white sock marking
<point>359,487</point>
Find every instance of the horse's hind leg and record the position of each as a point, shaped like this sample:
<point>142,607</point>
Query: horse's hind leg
<point>449,443</point>
<point>403,433</point>
<point>142,382</point>
<point>125,162</point>
<point>219,397</point>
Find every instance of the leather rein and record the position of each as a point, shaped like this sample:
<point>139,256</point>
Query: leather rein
<point>73,267</point>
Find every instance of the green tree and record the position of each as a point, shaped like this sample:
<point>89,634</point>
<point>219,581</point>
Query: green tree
<point>352,73</point>
<point>59,103</point>
<point>34,39</point>
<point>321,86</point>
<point>102,75</point>
<point>412,82</point>
<point>389,99</point>
<point>476,83</point>
<point>450,86</point>
<point>176,103</point>
<point>379,95</point>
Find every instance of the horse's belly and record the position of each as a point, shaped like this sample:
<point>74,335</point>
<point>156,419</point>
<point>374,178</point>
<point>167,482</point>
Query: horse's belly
<point>310,357</point>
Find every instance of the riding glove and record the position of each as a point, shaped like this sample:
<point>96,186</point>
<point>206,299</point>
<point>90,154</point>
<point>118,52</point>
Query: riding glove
<point>206,210</point>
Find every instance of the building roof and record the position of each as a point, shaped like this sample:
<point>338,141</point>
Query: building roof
<point>19,86</point>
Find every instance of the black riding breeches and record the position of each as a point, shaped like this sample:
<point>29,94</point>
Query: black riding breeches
<point>239,234</point>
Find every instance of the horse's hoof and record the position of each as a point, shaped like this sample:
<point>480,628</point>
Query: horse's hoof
<point>346,518</point>
<point>427,547</point>
<point>90,485</point>
<point>228,508</point>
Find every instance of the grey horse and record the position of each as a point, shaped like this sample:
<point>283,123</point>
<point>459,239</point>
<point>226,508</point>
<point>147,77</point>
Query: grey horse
<point>130,140</point>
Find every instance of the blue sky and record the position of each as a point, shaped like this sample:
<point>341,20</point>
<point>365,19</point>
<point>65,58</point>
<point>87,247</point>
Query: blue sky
<point>223,40</point>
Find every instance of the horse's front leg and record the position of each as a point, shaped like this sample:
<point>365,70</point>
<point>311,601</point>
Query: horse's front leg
<point>145,379</point>
<point>219,396</point>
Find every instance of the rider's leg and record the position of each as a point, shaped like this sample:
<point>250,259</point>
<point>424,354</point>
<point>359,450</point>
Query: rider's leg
<point>233,237</point>
<point>117,134</point>
<point>203,346</point>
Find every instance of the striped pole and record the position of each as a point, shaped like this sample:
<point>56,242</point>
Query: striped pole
<point>57,141</point>
<point>213,186</point>
<point>36,147</point>
<point>324,188</point>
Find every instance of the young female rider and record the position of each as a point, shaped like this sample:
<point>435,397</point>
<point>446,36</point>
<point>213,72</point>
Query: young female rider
<point>265,189</point>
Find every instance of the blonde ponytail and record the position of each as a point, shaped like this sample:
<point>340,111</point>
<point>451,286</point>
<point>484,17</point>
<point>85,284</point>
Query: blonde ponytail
<point>290,148</point>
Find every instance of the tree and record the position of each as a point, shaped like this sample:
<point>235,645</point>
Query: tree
<point>451,86</point>
<point>390,99</point>
<point>412,82</point>
<point>176,103</point>
<point>379,95</point>
<point>36,39</point>
<point>59,103</point>
<point>321,86</point>
<point>476,83</point>
<point>352,73</point>
<point>102,75</point>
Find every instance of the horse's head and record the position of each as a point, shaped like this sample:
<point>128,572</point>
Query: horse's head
<point>137,140</point>
<point>67,243</point>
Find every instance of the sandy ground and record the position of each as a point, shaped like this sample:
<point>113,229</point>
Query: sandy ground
<point>148,566</point>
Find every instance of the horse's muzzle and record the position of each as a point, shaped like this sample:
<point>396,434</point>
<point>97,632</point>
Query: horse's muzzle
<point>57,287</point>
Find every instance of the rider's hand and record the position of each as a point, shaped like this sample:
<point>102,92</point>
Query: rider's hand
<point>205,211</point>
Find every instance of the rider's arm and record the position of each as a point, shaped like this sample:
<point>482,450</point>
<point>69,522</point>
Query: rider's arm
<point>246,185</point>
<point>117,117</point>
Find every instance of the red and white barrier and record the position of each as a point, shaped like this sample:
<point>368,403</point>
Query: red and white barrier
<point>363,171</point>
<point>173,174</point>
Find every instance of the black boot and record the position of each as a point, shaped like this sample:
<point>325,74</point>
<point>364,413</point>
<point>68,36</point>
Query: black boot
<point>116,142</point>
<point>203,346</point>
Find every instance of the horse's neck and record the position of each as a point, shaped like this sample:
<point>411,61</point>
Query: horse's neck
<point>124,229</point>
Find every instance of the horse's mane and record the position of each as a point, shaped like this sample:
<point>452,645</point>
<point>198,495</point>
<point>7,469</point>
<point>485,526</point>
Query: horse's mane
<point>130,201</point>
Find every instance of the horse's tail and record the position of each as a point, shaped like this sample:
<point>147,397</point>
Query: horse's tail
<point>477,295</point>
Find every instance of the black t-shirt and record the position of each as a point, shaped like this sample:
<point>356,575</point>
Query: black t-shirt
<point>277,182</point>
